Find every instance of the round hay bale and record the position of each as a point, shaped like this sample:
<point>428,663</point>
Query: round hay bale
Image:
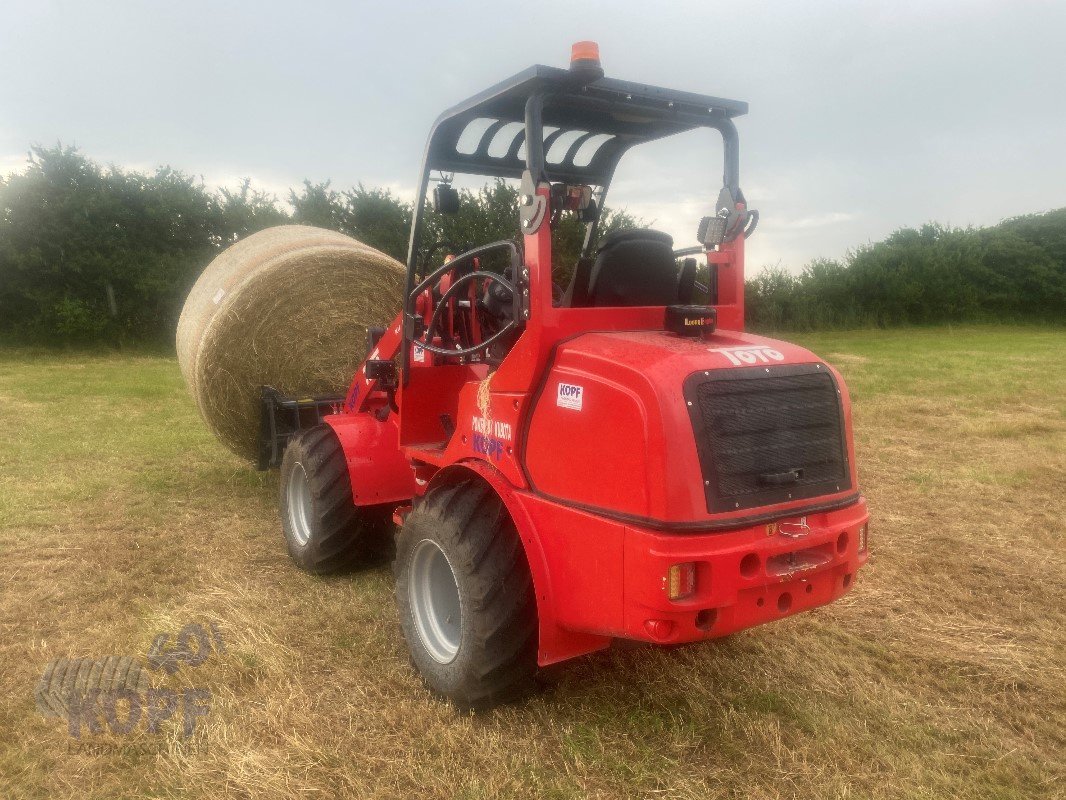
<point>287,307</point>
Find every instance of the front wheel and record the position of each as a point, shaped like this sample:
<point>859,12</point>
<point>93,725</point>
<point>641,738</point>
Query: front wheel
<point>324,530</point>
<point>465,597</point>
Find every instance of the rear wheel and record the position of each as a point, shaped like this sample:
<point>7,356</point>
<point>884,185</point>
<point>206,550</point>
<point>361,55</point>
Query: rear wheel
<point>324,529</point>
<point>465,597</point>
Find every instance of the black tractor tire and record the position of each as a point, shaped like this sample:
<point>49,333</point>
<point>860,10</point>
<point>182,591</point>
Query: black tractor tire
<point>489,656</point>
<point>324,530</point>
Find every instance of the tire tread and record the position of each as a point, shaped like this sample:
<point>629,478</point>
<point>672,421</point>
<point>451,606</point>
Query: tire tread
<point>499,587</point>
<point>341,531</point>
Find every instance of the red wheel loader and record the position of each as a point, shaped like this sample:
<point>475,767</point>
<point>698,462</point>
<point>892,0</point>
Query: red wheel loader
<point>566,466</point>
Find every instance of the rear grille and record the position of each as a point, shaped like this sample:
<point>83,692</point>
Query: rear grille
<point>768,435</point>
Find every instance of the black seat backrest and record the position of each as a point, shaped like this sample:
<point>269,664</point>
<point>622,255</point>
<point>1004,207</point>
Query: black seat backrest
<point>634,267</point>
<point>686,282</point>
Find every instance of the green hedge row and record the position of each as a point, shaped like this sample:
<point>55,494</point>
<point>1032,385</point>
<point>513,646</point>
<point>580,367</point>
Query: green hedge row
<point>1014,271</point>
<point>95,254</point>
<point>102,255</point>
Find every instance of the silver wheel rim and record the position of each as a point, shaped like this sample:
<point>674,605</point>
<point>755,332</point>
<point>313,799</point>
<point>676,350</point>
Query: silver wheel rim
<point>435,604</point>
<point>298,499</point>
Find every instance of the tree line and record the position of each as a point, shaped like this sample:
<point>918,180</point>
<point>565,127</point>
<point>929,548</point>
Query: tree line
<point>101,254</point>
<point>1011,272</point>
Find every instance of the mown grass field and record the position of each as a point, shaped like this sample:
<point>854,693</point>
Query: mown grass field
<point>943,674</point>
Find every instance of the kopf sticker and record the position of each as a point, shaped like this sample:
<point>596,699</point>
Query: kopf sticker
<point>570,396</point>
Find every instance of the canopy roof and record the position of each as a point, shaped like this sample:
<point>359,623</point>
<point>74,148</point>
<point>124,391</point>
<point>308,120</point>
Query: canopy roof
<point>586,127</point>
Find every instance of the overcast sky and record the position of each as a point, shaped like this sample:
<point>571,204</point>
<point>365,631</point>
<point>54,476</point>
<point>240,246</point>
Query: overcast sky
<point>864,117</point>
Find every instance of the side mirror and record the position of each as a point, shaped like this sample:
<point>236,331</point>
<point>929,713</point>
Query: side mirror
<point>445,199</point>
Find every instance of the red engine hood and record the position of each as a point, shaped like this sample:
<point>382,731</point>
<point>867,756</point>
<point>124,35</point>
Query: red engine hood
<point>610,429</point>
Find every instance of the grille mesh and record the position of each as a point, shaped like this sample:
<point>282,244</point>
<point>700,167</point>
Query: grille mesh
<point>768,438</point>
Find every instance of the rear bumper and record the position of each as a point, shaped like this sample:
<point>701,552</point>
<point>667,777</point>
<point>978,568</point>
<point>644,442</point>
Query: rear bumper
<point>599,579</point>
<point>743,578</point>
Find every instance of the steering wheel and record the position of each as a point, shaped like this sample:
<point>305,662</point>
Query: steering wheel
<point>426,340</point>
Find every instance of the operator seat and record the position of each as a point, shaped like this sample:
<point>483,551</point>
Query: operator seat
<point>633,267</point>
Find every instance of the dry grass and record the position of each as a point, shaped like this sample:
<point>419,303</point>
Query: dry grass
<point>941,675</point>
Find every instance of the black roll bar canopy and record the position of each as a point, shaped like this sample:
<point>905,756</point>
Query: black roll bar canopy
<point>629,113</point>
<point>600,121</point>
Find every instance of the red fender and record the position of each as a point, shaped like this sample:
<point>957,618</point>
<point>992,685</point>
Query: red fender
<point>554,642</point>
<point>378,469</point>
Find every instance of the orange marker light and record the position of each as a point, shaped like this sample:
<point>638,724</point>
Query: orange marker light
<point>585,51</point>
<point>681,581</point>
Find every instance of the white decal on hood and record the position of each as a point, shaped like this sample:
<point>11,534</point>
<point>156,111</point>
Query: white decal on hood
<point>569,396</point>
<point>751,354</point>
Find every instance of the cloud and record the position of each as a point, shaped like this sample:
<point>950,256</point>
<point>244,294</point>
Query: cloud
<point>816,220</point>
<point>11,163</point>
<point>894,118</point>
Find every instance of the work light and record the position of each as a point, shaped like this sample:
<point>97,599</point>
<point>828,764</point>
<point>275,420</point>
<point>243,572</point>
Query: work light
<point>712,230</point>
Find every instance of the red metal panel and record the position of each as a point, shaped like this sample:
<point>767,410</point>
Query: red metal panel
<point>609,579</point>
<point>487,430</point>
<point>598,454</point>
<point>633,430</point>
<point>744,577</point>
<point>379,471</point>
<point>730,261</point>
<point>556,642</point>
<point>584,557</point>
<point>431,394</point>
